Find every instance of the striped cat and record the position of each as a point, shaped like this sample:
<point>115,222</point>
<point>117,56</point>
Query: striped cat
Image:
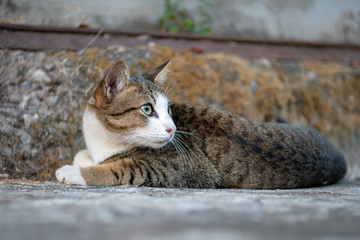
<point>133,137</point>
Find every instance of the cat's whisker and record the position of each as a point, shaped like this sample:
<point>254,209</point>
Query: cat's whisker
<point>130,140</point>
<point>183,146</point>
<point>168,85</point>
<point>171,95</point>
<point>188,133</point>
<point>171,81</point>
<point>180,154</point>
<point>184,155</point>
<point>181,151</point>
<point>119,139</point>
<point>171,89</point>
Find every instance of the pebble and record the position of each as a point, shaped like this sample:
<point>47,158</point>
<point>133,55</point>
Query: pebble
<point>27,120</point>
<point>39,75</point>
<point>4,175</point>
<point>312,75</point>
<point>25,137</point>
<point>50,67</point>
<point>8,152</point>
<point>265,62</point>
<point>253,86</point>
<point>53,100</point>
<point>151,44</point>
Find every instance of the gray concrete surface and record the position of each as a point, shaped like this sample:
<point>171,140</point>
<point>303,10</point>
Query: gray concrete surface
<point>55,211</point>
<point>309,20</point>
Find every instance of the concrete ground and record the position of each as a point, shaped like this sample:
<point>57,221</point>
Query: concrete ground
<point>35,210</point>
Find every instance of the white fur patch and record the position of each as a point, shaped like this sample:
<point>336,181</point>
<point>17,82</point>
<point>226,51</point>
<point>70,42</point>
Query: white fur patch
<point>70,175</point>
<point>83,159</point>
<point>99,141</point>
<point>161,107</point>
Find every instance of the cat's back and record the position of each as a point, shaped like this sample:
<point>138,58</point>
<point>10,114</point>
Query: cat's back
<point>261,155</point>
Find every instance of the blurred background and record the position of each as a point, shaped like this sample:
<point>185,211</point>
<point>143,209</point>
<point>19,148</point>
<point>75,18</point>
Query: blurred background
<point>335,21</point>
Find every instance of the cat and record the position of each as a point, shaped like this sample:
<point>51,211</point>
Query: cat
<point>134,137</point>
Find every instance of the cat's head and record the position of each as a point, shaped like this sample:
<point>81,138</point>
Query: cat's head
<point>134,110</point>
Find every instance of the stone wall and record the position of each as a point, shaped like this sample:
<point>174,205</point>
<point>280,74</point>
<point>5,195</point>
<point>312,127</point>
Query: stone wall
<point>43,95</point>
<point>307,20</point>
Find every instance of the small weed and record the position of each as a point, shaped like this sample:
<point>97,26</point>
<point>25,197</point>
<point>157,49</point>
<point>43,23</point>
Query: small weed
<point>178,20</point>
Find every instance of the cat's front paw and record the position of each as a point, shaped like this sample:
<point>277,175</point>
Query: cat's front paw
<point>70,174</point>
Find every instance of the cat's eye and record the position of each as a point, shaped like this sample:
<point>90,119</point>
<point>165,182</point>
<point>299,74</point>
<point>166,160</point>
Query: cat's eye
<point>147,109</point>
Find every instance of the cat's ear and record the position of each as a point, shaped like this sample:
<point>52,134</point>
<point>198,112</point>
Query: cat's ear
<point>159,75</point>
<point>115,80</point>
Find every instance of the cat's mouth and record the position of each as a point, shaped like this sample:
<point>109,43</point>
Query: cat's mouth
<point>163,142</point>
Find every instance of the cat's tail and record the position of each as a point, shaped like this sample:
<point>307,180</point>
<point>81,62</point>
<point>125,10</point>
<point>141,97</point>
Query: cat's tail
<point>334,164</point>
<point>325,163</point>
<point>306,159</point>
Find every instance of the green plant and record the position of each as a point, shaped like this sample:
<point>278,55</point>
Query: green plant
<point>177,19</point>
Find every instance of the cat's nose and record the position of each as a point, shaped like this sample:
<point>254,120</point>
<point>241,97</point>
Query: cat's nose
<point>171,131</point>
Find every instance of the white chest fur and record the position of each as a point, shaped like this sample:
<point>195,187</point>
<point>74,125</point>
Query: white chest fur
<point>99,142</point>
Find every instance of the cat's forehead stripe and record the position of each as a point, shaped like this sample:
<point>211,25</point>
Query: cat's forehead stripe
<point>145,90</point>
<point>153,92</point>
